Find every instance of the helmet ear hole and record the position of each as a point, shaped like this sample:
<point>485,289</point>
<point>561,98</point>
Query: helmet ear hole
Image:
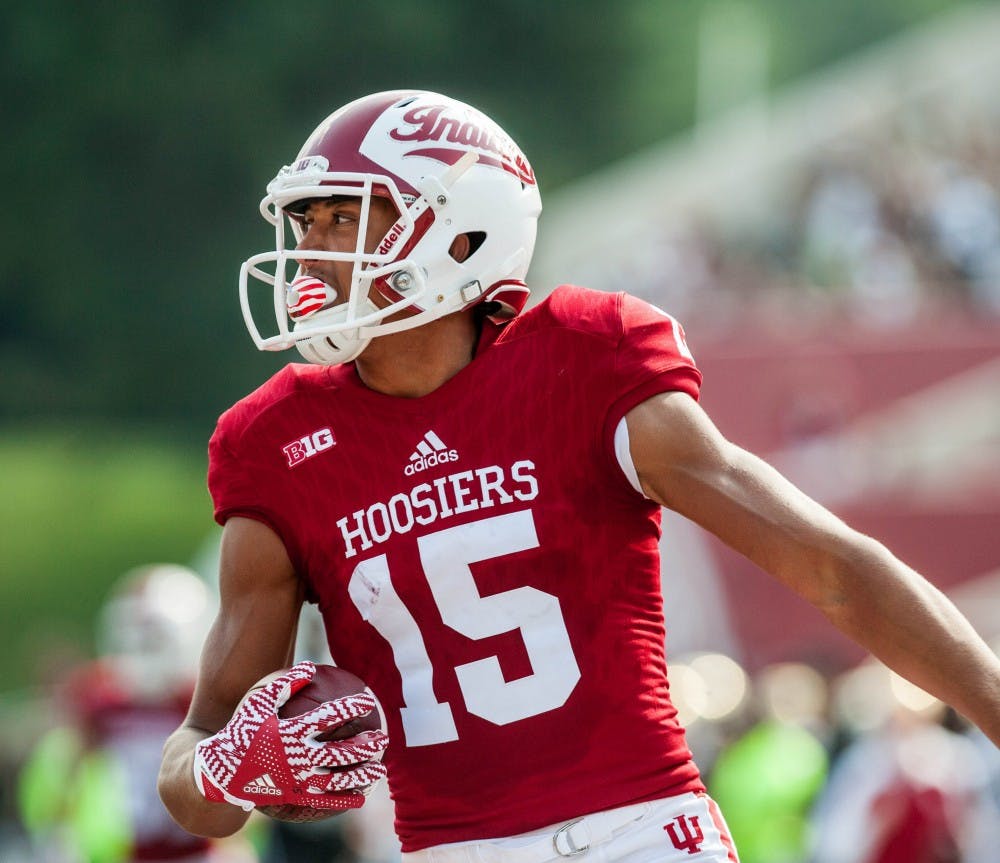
<point>473,239</point>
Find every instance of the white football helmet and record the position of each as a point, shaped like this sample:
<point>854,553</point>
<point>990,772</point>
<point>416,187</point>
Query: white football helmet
<point>448,170</point>
<point>152,626</point>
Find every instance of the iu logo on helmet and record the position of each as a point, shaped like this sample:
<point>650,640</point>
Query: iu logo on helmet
<point>685,834</point>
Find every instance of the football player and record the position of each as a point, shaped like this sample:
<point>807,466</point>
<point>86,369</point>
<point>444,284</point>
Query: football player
<point>471,492</point>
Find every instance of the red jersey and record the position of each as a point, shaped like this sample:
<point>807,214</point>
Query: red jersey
<point>481,560</point>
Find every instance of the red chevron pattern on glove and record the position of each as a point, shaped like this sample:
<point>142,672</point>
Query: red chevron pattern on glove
<point>259,759</point>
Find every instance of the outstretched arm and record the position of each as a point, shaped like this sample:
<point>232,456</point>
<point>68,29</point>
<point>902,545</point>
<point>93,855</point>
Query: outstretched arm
<point>253,635</point>
<point>685,464</point>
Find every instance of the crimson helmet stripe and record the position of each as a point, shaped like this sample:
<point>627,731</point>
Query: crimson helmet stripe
<point>421,225</point>
<point>344,131</point>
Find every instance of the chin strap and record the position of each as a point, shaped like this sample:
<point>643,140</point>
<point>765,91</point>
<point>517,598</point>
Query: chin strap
<point>323,351</point>
<point>512,296</point>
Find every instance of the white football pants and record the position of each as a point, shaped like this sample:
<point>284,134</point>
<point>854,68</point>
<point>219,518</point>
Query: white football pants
<point>687,828</point>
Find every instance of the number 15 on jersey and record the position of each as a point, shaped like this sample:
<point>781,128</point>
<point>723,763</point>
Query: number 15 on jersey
<point>446,556</point>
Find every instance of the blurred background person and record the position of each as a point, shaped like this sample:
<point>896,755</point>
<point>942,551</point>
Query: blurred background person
<point>909,787</point>
<point>769,776</point>
<point>87,791</point>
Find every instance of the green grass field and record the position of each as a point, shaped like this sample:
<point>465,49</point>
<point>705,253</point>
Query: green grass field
<point>77,511</point>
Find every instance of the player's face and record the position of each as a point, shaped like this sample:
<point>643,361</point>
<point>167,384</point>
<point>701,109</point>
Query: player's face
<point>332,226</point>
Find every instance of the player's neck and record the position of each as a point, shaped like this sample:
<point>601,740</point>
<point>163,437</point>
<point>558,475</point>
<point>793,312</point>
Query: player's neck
<point>413,363</point>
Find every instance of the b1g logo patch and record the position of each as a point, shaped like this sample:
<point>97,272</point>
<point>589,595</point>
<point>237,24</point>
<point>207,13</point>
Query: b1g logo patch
<point>307,446</point>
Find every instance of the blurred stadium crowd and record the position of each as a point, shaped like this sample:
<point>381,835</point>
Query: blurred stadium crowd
<point>869,193</point>
<point>902,224</point>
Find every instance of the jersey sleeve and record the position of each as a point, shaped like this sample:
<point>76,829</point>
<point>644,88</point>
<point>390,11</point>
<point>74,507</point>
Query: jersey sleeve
<point>652,356</point>
<point>241,485</point>
<point>227,482</point>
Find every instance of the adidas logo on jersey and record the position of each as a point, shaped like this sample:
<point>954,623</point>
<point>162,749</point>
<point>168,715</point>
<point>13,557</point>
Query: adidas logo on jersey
<point>430,451</point>
<point>262,785</point>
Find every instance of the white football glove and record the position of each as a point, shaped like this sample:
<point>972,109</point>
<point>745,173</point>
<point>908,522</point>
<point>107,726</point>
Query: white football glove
<point>260,759</point>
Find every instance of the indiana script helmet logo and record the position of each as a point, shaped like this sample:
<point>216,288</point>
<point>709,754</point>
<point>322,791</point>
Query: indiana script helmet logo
<point>433,124</point>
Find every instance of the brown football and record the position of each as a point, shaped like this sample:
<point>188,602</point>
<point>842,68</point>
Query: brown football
<point>329,683</point>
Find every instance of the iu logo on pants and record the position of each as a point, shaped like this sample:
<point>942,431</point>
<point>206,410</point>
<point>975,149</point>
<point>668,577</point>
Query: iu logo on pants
<point>685,833</point>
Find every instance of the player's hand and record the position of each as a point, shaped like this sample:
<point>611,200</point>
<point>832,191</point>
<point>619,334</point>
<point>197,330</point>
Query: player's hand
<point>260,759</point>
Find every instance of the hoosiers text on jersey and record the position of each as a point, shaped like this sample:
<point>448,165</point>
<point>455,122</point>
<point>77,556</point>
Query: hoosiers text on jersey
<point>445,496</point>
